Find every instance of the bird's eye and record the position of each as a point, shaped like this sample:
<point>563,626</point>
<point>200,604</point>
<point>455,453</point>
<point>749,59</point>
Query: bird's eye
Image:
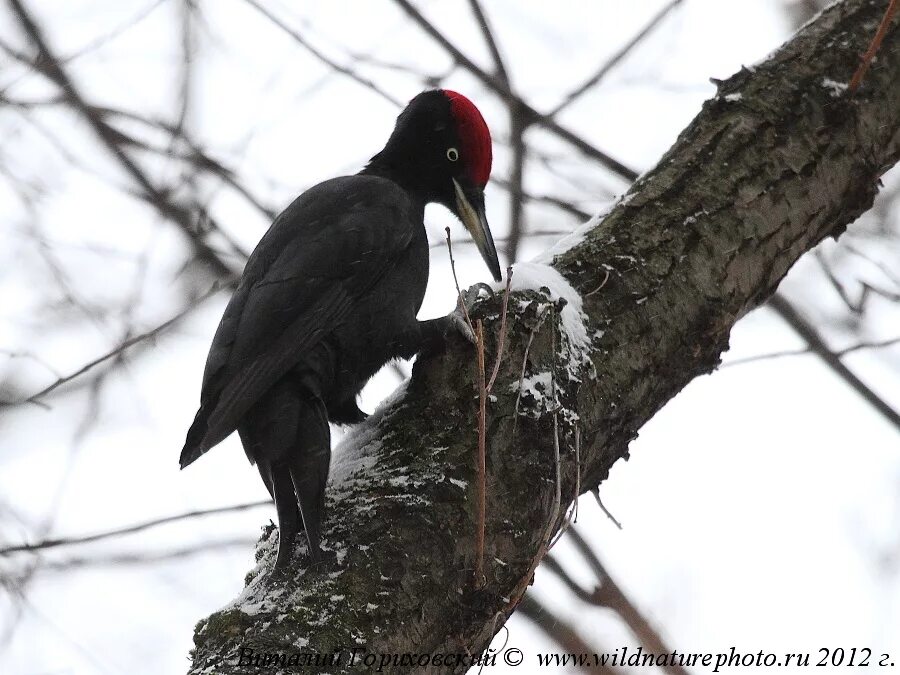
<point>452,154</point>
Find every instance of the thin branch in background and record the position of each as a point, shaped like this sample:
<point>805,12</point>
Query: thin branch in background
<point>873,46</point>
<point>554,567</point>
<point>534,233</point>
<point>561,204</point>
<point>432,80</point>
<point>532,116</point>
<point>838,287</point>
<point>117,350</point>
<point>859,346</point>
<point>488,34</point>
<point>114,33</point>
<point>517,127</point>
<point>193,153</point>
<point>46,544</point>
<point>338,68</point>
<point>14,354</point>
<point>608,594</point>
<point>98,661</point>
<point>783,307</point>
<point>143,557</point>
<point>561,632</point>
<point>64,284</point>
<point>858,307</point>
<point>185,85</point>
<point>616,58</point>
<point>880,266</point>
<point>47,63</point>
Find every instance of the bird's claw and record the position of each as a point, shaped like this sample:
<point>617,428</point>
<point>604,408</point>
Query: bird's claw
<point>464,305</point>
<point>458,321</point>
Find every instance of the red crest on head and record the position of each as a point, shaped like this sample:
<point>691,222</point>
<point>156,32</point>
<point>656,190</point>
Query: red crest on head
<point>474,136</point>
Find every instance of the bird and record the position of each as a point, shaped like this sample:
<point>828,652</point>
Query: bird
<point>329,295</point>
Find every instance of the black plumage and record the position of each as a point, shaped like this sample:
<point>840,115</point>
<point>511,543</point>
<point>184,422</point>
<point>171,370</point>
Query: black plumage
<point>329,295</point>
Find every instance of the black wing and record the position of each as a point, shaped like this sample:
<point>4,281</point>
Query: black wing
<point>329,247</point>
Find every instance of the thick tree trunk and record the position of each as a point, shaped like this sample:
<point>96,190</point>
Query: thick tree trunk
<point>778,160</point>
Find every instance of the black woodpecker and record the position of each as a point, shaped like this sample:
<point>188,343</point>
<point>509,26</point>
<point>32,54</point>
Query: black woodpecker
<point>329,295</point>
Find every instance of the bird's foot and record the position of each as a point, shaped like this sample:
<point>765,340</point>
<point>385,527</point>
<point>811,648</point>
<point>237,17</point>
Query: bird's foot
<point>316,562</point>
<point>464,305</point>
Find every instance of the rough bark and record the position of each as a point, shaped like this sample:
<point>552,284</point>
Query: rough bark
<point>778,160</point>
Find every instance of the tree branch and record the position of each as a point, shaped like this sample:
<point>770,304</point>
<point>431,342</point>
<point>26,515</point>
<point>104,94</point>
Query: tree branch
<point>817,346</point>
<point>48,64</point>
<point>773,164</point>
<point>616,58</point>
<point>531,115</point>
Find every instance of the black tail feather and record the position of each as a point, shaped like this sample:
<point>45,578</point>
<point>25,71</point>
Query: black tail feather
<point>288,515</point>
<point>193,444</point>
<point>286,433</point>
<point>308,467</point>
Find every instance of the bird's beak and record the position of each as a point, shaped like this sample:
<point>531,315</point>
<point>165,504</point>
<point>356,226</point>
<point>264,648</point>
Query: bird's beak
<point>470,209</point>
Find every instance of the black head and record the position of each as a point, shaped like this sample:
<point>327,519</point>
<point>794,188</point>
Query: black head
<point>440,151</point>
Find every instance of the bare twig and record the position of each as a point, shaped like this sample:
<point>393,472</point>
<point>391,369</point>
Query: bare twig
<point>495,84</point>
<point>131,529</point>
<point>47,63</point>
<point>502,338</point>
<point>557,459</point>
<point>490,40</point>
<point>459,294</point>
<point>116,32</point>
<point>481,471</point>
<point>785,309</point>
<point>481,483</point>
<point>141,557</point>
<point>609,594</point>
<point>596,493</point>
<point>552,565</point>
<point>859,346</point>
<point>192,153</point>
<point>561,632</point>
<point>561,204</point>
<point>517,128</point>
<point>616,58</point>
<point>117,350</point>
<point>343,70</point>
<point>873,46</point>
